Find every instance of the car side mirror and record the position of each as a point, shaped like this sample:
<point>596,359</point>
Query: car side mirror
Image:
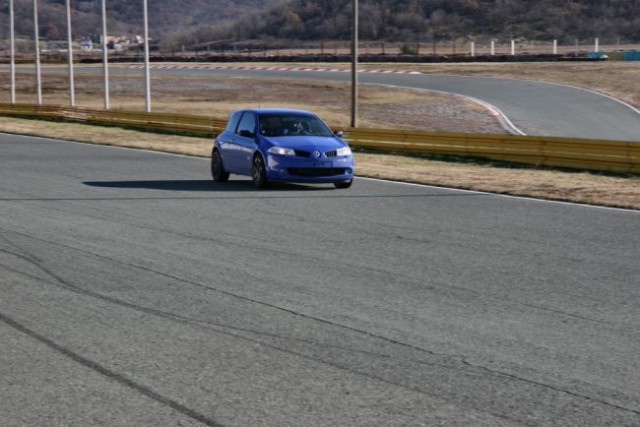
<point>338,133</point>
<point>247,134</point>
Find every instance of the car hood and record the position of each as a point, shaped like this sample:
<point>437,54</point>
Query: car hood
<point>307,143</point>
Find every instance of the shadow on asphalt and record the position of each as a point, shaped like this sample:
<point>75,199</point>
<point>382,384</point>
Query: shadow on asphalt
<point>205,185</point>
<point>246,186</point>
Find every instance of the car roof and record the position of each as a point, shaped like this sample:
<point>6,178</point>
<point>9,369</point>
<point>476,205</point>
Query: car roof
<point>279,111</point>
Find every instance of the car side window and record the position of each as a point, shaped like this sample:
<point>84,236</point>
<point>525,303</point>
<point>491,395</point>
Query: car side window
<point>247,125</point>
<point>232,124</point>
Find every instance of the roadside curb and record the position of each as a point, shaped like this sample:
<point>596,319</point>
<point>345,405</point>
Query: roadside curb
<point>302,69</point>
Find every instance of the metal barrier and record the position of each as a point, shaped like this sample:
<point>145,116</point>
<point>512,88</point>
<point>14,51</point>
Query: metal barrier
<point>167,122</point>
<point>614,156</point>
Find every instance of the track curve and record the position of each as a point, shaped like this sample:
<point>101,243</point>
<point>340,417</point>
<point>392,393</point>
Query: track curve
<point>536,108</point>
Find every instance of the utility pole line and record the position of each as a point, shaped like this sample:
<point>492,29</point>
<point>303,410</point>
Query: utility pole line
<point>354,66</point>
<point>37,52</point>
<point>147,73</point>
<point>105,55</point>
<point>72,95</point>
<point>13,51</point>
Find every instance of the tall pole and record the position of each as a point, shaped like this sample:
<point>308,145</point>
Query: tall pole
<point>354,66</point>
<point>105,56</point>
<point>72,95</point>
<point>37,46</point>
<point>13,52</point>
<point>147,74</point>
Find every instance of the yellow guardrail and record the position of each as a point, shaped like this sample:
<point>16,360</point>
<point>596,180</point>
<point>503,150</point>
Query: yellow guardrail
<point>182,123</point>
<point>614,156</point>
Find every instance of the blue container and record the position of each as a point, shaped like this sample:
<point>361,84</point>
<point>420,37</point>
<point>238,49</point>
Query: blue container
<point>632,55</point>
<point>597,54</point>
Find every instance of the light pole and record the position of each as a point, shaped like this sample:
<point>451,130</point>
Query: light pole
<point>354,66</point>
<point>72,95</point>
<point>147,74</point>
<point>105,56</point>
<point>13,51</point>
<point>37,46</point>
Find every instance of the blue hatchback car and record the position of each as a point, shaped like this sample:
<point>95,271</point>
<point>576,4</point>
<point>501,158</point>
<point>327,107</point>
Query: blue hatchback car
<point>281,145</point>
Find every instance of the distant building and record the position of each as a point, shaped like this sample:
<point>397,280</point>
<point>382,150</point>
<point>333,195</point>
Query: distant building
<point>86,44</point>
<point>114,43</point>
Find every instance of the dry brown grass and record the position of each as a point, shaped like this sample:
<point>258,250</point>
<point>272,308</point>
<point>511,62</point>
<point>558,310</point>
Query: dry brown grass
<point>380,107</point>
<point>580,187</point>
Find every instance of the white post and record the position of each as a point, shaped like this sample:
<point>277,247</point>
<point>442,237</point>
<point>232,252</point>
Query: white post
<point>37,47</point>
<point>13,52</point>
<point>72,95</point>
<point>513,48</point>
<point>597,47</point>
<point>473,48</point>
<point>354,65</point>
<point>147,73</point>
<point>555,47</point>
<point>105,56</point>
<point>493,47</point>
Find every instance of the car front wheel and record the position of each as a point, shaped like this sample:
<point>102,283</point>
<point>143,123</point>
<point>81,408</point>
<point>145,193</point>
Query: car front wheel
<point>217,171</point>
<point>259,174</point>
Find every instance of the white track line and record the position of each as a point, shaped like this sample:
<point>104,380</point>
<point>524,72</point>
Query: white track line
<point>533,199</point>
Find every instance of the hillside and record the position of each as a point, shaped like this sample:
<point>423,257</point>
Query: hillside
<point>408,20</point>
<point>201,22</point>
<point>166,17</point>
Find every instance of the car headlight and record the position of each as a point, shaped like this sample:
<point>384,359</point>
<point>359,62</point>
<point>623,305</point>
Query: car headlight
<point>345,151</point>
<point>281,151</point>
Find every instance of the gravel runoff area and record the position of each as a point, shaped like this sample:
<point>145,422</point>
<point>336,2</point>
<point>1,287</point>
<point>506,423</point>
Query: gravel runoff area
<point>381,107</point>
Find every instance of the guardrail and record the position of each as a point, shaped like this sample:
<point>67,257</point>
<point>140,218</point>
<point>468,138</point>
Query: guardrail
<point>613,156</point>
<point>166,122</point>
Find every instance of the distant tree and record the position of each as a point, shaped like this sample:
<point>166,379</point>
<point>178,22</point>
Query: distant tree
<point>203,21</point>
<point>51,31</point>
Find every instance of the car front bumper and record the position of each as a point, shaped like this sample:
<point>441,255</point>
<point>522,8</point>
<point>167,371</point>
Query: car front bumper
<point>294,169</point>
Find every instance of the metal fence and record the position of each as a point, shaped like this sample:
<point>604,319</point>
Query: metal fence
<point>612,156</point>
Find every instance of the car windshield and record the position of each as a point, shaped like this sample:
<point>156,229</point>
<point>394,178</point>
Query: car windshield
<point>292,124</point>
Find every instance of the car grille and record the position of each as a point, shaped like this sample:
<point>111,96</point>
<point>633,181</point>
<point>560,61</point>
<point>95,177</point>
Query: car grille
<point>301,153</point>
<point>332,153</point>
<point>316,171</point>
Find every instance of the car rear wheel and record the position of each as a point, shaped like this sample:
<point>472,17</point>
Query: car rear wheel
<point>217,171</point>
<point>259,174</point>
<point>343,184</point>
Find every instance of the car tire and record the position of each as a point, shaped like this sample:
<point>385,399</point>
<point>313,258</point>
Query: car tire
<point>343,184</point>
<point>217,170</point>
<point>259,173</point>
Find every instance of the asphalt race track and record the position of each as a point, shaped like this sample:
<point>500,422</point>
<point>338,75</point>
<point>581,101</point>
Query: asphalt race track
<point>534,108</point>
<point>136,292</point>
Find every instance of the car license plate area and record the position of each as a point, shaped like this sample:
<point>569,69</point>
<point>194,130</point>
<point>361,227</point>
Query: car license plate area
<point>322,164</point>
